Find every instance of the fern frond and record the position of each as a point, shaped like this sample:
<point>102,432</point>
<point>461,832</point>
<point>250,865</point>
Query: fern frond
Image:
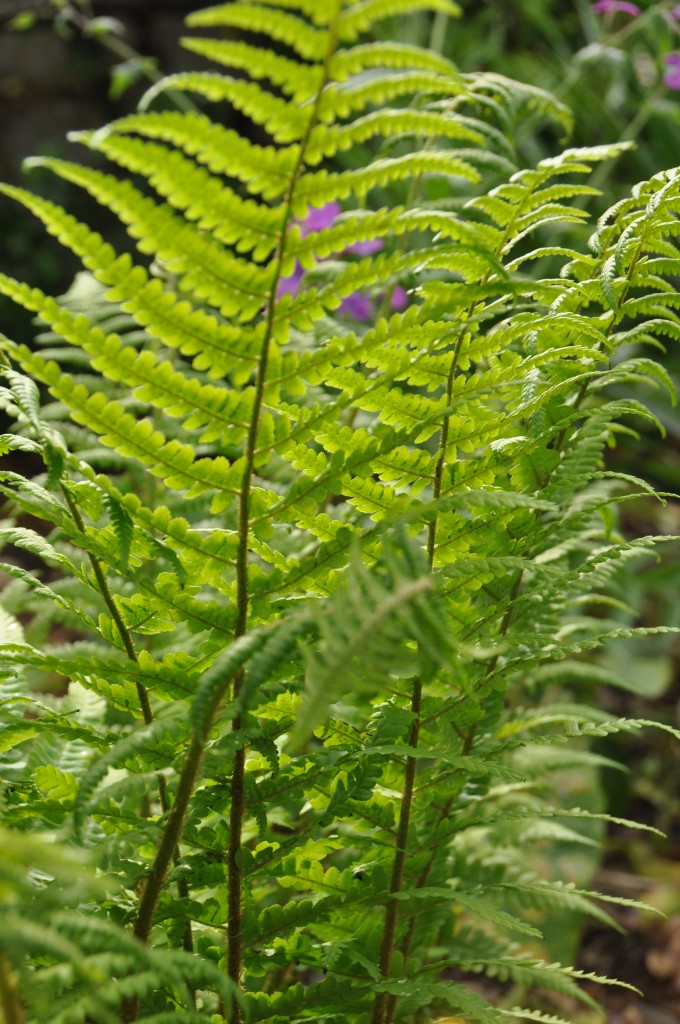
<point>368,624</point>
<point>330,536</point>
<point>307,41</point>
<point>283,121</point>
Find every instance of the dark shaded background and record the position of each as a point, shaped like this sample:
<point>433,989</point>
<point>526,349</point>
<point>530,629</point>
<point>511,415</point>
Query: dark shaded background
<point>49,86</point>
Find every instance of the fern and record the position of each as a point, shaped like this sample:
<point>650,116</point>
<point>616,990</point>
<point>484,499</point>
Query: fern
<point>310,577</point>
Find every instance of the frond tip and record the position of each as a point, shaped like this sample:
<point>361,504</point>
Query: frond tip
<point>377,623</point>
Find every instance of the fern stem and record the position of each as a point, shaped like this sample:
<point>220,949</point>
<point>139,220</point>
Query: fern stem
<point>438,33</point>
<point>165,853</point>
<point>237,806</point>
<point>109,601</point>
<point>444,432</point>
<point>124,632</point>
<point>405,947</point>
<point>466,747</point>
<point>144,703</point>
<point>235,876</point>
<point>381,1012</point>
<point>171,837</point>
<point>169,840</point>
<point>441,454</point>
<point>383,1007</point>
<point>12,1010</point>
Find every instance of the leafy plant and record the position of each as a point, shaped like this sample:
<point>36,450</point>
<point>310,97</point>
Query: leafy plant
<point>611,62</point>
<point>310,581</point>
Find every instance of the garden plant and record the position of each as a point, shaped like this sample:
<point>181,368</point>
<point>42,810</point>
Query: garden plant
<point>311,541</point>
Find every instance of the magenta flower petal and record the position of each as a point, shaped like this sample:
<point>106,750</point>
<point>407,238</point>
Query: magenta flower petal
<point>612,6</point>
<point>373,245</point>
<point>398,298</point>
<point>671,76</point>
<point>290,285</point>
<point>672,80</point>
<point>675,12</point>
<point>320,217</point>
<point>358,306</point>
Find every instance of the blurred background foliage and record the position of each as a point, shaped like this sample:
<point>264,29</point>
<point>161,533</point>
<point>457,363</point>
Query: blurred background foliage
<point>608,65</point>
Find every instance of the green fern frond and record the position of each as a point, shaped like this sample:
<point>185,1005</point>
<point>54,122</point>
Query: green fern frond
<point>307,41</point>
<point>327,420</point>
<point>376,618</point>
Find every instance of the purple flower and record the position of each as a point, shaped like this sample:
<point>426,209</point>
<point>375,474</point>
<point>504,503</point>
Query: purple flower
<point>675,12</point>
<point>612,6</point>
<point>319,217</point>
<point>290,285</point>
<point>357,305</point>
<point>373,245</point>
<point>671,76</point>
<point>361,307</point>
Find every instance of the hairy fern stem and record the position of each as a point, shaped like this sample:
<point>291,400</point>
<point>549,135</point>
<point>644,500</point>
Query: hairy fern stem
<point>129,1009</point>
<point>380,1005</point>
<point>237,788</point>
<point>12,1009</point>
<point>384,1005</point>
<point>114,611</point>
<point>165,854</point>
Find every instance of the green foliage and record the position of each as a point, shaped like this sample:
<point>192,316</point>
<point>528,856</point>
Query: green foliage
<point>608,66</point>
<point>308,582</point>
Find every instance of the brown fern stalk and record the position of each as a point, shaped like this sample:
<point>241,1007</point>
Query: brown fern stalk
<point>384,1006</point>
<point>10,1004</point>
<point>144,702</point>
<point>380,1005</point>
<point>237,788</point>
